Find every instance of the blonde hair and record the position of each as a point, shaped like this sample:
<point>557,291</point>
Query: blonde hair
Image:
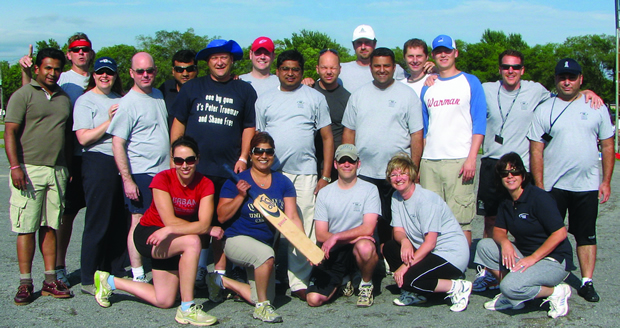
<point>403,162</point>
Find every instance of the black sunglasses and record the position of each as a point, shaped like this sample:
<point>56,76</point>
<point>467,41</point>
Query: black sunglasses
<point>260,151</point>
<point>347,159</point>
<point>141,71</point>
<point>190,160</point>
<point>514,172</point>
<point>77,50</point>
<point>106,71</point>
<point>506,67</point>
<point>334,51</point>
<point>189,69</point>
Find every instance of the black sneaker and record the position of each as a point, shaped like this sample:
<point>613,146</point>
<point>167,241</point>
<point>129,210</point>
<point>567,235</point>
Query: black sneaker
<point>588,293</point>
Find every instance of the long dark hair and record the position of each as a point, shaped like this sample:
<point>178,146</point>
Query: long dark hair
<point>513,160</point>
<point>117,87</point>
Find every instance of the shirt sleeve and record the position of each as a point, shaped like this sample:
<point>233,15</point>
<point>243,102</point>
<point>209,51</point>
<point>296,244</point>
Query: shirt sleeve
<point>416,121</point>
<point>83,114</point>
<point>350,113</point>
<point>260,114</point>
<point>536,128</point>
<point>182,105</point>
<point>207,187</point>
<point>323,118</point>
<point>249,117</point>
<point>320,209</point>
<point>17,106</point>
<point>121,123</point>
<point>161,181</point>
<point>478,105</point>
<point>229,190</point>
<point>424,110</point>
<point>546,211</point>
<point>372,203</point>
<point>397,205</point>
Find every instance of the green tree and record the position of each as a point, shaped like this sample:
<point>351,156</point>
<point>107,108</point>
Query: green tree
<point>11,80</point>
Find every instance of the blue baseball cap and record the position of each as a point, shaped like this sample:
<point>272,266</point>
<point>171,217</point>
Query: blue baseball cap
<point>105,62</point>
<point>444,41</point>
<point>567,65</point>
<point>217,46</point>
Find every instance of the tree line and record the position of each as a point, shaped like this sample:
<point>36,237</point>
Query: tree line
<point>594,52</point>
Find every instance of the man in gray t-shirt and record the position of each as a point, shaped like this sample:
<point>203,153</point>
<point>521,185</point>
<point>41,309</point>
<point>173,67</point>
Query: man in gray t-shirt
<point>560,126</point>
<point>346,215</point>
<point>261,55</point>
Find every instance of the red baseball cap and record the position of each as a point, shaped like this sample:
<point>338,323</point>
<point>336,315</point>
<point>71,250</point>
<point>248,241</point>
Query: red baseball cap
<point>263,42</point>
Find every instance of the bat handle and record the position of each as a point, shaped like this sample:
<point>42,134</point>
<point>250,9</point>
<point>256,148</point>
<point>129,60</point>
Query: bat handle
<point>235,178</point>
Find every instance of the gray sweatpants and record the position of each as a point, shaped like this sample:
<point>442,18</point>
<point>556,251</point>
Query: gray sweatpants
<point>519,287</point>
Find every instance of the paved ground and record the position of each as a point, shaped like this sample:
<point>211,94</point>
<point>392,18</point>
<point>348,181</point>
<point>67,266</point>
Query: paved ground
<point>126,311</point>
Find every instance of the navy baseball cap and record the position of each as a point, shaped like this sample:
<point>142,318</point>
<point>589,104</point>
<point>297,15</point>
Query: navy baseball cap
<point>105,62</point>
<point>567,65</point>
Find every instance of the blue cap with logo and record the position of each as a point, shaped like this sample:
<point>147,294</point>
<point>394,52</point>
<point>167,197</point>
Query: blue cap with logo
<point>444,41</point>
<point>105,62</point>
<point>567,65</point>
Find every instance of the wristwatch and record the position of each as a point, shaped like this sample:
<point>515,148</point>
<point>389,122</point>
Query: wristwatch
<point>329,180</point>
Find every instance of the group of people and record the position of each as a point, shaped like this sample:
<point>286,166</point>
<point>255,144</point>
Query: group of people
<point>373,163</point>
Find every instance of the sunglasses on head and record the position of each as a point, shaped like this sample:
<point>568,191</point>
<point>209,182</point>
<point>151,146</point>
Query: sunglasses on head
<point>141,71</point>
<point>189,160</point>
<point>105,71</point>
<point>347,159</point>
<point>189,69</point>
<point>334,51</point>
<point>77,49</point>
<point>260,151</point>
<point>506,67</point>
<point>514,172</point>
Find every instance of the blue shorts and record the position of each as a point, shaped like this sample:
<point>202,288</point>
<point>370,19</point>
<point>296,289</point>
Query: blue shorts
<point>146,196</point>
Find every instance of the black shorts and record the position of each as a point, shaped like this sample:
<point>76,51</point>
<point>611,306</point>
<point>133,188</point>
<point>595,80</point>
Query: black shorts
<point>582,207</point>
<point>488,197</point>
<point>74,197</point>
<point>143,181</point>
<point>140,235</point>
<point>328,275</point>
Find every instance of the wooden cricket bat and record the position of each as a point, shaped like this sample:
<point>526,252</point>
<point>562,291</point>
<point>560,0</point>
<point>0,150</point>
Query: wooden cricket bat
<point>280,221</point>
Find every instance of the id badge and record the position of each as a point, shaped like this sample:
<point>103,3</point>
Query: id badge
<point>547,137</point>
<point>499,139</point>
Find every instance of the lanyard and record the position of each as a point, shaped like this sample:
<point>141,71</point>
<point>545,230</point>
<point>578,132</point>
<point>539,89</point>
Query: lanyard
<point>501,113</point>
<point>562,112</point>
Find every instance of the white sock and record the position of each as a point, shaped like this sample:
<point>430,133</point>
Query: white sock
<point>202,260</point>
<point>220,272</point>
<point>585,280</point>
<point>365,283</point>
<point>454,287</point>
<point>137,272</point>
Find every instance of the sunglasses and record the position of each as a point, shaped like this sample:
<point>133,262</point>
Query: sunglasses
<point>514,172</point>
<point>322,52</point>
<point>190,160</point>
<point>566,76</point>
<point>141,71</point>
<point>347,159</point>
<point>107,71</point>
<point>189,69</point>
<point>506,67</point>
<point>260,151</point>
<point>77,50</point>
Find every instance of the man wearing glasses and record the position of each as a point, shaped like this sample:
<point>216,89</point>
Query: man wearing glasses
<point>383,118</point>
<point>184,68</point>
<point>560,126</point>
<point>218,112</point>
<point>140,144</point>
<point>293,114</point>
<point>345,217</point>
<point>262,55</point>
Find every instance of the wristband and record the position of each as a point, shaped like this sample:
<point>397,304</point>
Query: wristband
<point>14,167</point>
<point>329,180</point>
<point>243,160</point>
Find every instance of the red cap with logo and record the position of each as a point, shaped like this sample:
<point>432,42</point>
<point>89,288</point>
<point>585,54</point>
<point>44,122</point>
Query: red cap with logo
<point>263,42</point>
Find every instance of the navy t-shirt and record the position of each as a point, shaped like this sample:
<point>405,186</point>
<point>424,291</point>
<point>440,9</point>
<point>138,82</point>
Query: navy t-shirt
<point>531,219</point>
<point>248,221</point>
<point>215,114</point>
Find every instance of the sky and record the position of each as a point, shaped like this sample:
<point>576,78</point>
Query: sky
<point>111,22</point>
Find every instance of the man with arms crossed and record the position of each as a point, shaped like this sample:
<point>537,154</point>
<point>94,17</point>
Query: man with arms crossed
<point>560,125</point>
<point>346,215</point>
<point>454,112</point>
<point>36,144</point>
<point>140,144</point>
<point>292,114</point>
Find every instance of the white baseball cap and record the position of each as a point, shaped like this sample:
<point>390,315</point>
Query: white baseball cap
<point>363,32</point>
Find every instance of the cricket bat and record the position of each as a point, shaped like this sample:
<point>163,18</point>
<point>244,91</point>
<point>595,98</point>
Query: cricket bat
<point>280,221</point>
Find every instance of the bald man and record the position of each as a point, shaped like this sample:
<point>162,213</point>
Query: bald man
<point>141,145</point>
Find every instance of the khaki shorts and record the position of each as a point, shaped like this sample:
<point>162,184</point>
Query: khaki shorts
<point>442,177</point>
<point>42,204</point>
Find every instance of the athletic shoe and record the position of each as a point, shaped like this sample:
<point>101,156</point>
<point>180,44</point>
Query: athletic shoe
<point>588,293</point>
<point>141,278</point>
<point>57,289</point>
<point>61,274</point>
<point>365,298</point>
<point>347,289</point>
<point>459,295</point>
<point>200,278</point>
<point>102,288</point>
<point>89,289</point>
<point>387,268</point>
<point>266,313</point>
<point>484,280</point>
<point>24,295</point>
<point>215,287</point>
<point>409,298</point>
<point>194,316</point>
<point>499,303</point>
<point>558,301</point>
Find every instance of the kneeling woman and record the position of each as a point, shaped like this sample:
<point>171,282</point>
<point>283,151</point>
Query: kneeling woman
<point>538,260</point>
<point>169,233</point>
<point>429,252</point>
<point>249,238</point>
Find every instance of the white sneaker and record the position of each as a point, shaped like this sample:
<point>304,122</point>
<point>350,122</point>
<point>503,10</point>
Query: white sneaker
<point>200,278</point>
<point>558,301</point>
<point>141,278</point>
<point>499,303</point>
<point>459,295</point>
<point>484,280</point>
